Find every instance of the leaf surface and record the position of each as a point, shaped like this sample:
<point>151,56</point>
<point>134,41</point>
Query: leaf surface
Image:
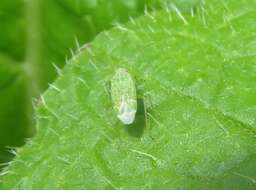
<point>36,38</point>
<point>195,127</point>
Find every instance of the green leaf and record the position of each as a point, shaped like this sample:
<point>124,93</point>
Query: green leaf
<point>195,75</point>
<point>35,38</point>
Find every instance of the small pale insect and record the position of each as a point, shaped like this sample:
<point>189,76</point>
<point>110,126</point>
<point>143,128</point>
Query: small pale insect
<point>123,94</point>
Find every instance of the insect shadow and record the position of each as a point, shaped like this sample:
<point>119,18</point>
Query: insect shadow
<point>137,127</point>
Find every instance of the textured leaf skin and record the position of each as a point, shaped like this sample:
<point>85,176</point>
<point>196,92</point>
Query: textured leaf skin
<point>58,28</point>
<point>198,74</point>
<point>82,21</point>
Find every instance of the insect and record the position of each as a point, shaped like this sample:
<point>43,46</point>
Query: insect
<point>123,94</point>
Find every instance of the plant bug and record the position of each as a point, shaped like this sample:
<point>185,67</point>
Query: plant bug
<point>123,94</point>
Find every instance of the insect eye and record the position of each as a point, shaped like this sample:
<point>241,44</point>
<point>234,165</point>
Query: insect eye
<point>123,94</point>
